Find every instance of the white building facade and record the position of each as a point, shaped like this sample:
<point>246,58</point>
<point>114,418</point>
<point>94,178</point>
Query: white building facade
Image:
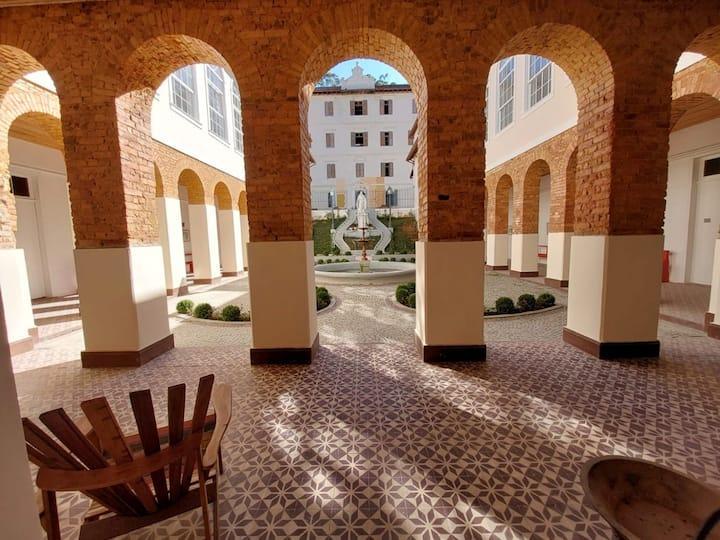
<point>530,100</point>
<point>360,141</point>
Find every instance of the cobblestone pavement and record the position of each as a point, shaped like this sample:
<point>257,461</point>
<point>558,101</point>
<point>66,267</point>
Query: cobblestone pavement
<point>370,442</point>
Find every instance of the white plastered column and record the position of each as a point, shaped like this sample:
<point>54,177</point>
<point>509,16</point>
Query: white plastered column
<point>712,320</point>
<point>18,512</point>
<point>231,244</point>
<point>204,240</point>
<point>497,251</point>
<point>283,306</point>
<point>171,240</point>
<point>614,295</point>
<point>17,304</point>
<point>558,259</point>
<point>449,300</point>
<point>123,305</point>
<point>524,258</point>
<point>245,237</point>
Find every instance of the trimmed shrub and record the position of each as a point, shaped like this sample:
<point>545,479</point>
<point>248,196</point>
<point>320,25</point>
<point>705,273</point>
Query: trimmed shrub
<point>410,286</point>
<point>322,297</point>
<point>185,306</point>
<point>348,253</point>
<point>411,300</point>
<point>230,313</point>
<point>203,311</point>
<point>392,259</point>
<point>504,305</point>
<point>384,259</point>
<point>545,300</point>
<point>335,250</point>
<point>403,252</point>
<point>412,260</point>
<point>401,293</point>
<point>321,261</point>
<point>526,302</point>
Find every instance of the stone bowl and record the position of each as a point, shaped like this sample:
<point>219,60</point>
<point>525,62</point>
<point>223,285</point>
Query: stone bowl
<point>348,273</point>
<point>642,500</point>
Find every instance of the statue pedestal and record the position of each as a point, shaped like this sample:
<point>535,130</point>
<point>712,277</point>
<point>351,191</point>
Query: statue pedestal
<point>364,265</point>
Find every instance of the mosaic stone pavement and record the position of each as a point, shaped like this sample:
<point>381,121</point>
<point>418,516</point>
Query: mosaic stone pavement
<point>370,442</point>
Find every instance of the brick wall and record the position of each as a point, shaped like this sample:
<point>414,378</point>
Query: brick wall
<point>106,59</point>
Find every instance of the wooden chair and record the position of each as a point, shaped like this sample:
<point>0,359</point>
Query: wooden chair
<point>138,480</point>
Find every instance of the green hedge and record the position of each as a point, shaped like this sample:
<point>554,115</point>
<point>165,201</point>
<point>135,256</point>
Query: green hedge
<point>405,294</point>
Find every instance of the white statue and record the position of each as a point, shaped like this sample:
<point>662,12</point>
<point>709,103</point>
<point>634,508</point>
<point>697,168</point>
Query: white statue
<point>362,215</point>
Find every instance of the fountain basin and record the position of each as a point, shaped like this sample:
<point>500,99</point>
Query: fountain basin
<point>348,273</point>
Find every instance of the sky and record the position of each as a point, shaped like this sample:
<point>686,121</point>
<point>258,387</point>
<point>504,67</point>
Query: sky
<point>371,67</point>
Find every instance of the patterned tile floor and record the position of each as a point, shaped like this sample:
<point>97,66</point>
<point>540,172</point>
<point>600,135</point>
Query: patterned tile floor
<point>370,442</point>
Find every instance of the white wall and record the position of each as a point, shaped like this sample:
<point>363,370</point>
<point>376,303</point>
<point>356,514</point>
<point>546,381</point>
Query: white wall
<point>345,156</point>
<point>544,211</point>
<point>688,148</point>
<point>530,127</point>
<point>174,128</point>
<point>50,245</point>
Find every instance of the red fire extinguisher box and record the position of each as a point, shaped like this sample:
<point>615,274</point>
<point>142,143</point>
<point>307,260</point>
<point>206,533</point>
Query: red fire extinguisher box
<point>666,266</point>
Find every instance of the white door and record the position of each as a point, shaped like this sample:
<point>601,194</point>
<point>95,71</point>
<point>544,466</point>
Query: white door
<point>28,239</point>
<point>707,222</point>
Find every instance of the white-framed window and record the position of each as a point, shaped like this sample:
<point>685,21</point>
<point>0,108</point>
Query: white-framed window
<point>329,108</point>
<point>237,118</point>
<point>330,170</point>
<point>183,92</point>
<point>386,106</point>
<point>539,80</point>
<point>386,138</point>
<point>506,93</point>
<point>217,123</point>
<point>359,138</point>
<point>329,140</point>
<point>359,170</point>
<point>386,169</point>
<point>358,107</point>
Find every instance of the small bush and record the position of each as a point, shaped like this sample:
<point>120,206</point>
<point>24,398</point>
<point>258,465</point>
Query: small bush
<point>203,311</point>
<point>322,297</point>
<point>230,313</point>
<point>393,259</point>
<point>348,253</point>
<point>410,286</point>
<point>335,250</point>
<point>545,300</point>
<point>384,259</point>
<point>504,305</point>
<point>403,252</point>
<point>411,300</point>
<point>379,252</point>
<point>185,306</point>
<point>412,259</point>
<point>321,261</point>
<point>401,293</point>
<point>526,302</point>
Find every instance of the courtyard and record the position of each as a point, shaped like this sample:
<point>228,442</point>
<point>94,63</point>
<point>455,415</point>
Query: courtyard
<point>368,441</point>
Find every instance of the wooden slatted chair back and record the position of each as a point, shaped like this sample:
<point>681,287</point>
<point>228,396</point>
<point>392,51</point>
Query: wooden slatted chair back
<point>130,476</point>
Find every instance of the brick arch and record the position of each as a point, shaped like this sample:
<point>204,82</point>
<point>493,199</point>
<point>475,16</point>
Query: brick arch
<point>367,42</point>
<point>707,43</point>
<point>527,198</point>
<point>242,203</point>
<point>590,69</point>
<point>562,196</point>
<point>159,184</point>
<point>696,95</point>
<point>23,109</point>
<point>498,203</point>
<point>191,181</point>
<point>221,196</point>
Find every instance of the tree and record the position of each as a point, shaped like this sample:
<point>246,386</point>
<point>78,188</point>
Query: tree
<point>329,79</point>
<point>382,80</point>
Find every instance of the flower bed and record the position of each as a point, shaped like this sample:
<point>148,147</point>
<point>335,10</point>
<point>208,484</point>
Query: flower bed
<point>405,295</point>
<point>233,313</point>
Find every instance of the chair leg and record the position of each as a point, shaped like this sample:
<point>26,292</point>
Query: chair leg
<point>221,468</point>
<point>202,485</point>
<point>216,521</point>
<point>50,519</point>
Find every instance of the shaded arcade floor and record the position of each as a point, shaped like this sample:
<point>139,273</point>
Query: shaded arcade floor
<point>370,442</point>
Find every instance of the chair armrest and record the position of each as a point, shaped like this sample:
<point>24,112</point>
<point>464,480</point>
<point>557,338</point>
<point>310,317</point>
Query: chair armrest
<point>67,480</point>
